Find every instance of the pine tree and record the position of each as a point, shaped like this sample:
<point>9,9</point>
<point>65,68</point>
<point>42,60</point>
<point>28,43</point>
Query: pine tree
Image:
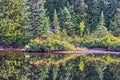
<point>93,14</point>
<point>101,30</point>
<point>116,23</point>
<point>13,15</point>
<point>80,8</point>
<point>66,21</point>
<point>51,5</point>
<point>56,22</point>
<point>39,22</point>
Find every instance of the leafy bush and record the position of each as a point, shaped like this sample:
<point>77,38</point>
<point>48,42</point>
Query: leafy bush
<point>115,47</point>
<point>32,47</point>
<point>75,40</point>
<point>110,42</point>
<point>49,45</point>
<point>15,41</point>
<point>93,44</point>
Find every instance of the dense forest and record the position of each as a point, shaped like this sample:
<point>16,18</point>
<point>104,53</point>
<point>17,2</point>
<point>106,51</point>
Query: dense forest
<point>22,20</point>
<point>59,39</point>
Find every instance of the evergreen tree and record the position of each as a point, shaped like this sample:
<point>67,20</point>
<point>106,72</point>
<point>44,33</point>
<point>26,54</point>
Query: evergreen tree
<point>80,8</point>
<point>116,23</point>
<point>66,21</point>
<point>51,5</point>
<point>56,22</point>
<point>101,30</point>
<point>13,15</point>
<point>79,13</point>
<point>109,7</point>
<point>39,22</point>
<point>63,34</point>
<point>85,10</point>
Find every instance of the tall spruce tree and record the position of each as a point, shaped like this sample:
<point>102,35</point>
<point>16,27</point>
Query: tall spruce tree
<point>51,5</point>
<point>93,14</point>
<point>109,7</point>
<point>101,30</point>
<point>56,22</point>
<point>80,8</point>
<point>116,23</point>
<point>66,21</point>
<point>79,13</point>
<point>39,22</point>
<point>13,15</point>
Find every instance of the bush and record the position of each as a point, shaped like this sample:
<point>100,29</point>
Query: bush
<point>48,45</point>
<point>104,42</point>
<point>93,44</point>
<point>115,47</point>
<point>75,40</point>
<point>32,47</point>
<point>15,41</point>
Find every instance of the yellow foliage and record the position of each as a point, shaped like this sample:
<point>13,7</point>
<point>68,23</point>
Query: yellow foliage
<point>82,24</point>
<point>82,27</point>
<point>81,65</point>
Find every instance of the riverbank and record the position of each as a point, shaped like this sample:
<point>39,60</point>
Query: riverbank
<point>91,51</point>
<point>86,51</point>
<point>12,49</point>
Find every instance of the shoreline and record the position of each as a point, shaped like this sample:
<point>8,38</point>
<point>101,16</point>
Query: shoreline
<point>87,51</point>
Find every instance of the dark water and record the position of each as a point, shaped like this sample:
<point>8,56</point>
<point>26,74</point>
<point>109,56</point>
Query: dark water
<point>17,65</point>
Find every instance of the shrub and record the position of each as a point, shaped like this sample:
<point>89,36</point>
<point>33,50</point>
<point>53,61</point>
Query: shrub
<point>75,41</point>
<point>93,44</point>
<point>48,45</point>
<point>32,47</point>
<point>115,47</point>
<point>15,41</point>
<point>104,42</point>
<point>61,45</point>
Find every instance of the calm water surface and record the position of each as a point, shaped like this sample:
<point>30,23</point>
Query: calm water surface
<point>17,65</point>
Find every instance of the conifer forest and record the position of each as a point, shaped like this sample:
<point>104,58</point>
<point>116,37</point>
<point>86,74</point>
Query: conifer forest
<point>75,22</point>
<point>59,39</point>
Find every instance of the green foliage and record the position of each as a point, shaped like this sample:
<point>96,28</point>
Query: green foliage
<point>82,28</point>
<point>17,66</point>
<point>49,45</point>
<point>13,20</point>
<point>101,30</point>
<point>56,22</point>
<point>52,67</point>
<point>93,44</point>
<point>115,23</point>
<point>39,22</point>
<point>15,41</point>
<point>66,21</point>
<point>115,47</point>
<point>108,42</point>
<point>88,11</point>
<point>93,14</point>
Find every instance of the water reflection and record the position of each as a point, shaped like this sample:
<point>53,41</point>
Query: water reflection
<point>17,65</point>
